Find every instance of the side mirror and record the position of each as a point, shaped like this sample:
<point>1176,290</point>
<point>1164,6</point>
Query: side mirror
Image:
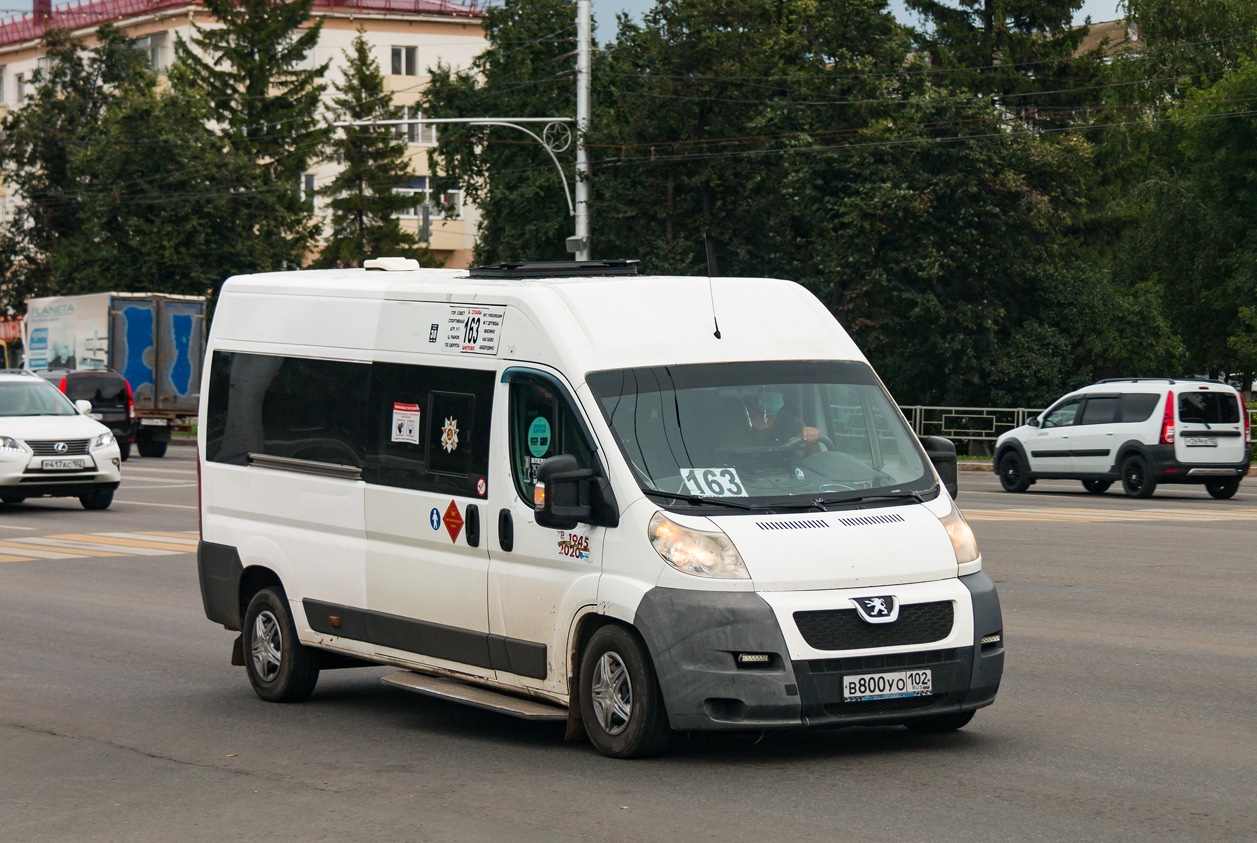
<point>942,452</point>
<point>557,496</point>
<point>83,405</point>
<point>1034,421</point>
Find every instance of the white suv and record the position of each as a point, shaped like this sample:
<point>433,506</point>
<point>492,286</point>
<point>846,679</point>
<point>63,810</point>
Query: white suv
<point>1141,431</point>
<point>49,447</point>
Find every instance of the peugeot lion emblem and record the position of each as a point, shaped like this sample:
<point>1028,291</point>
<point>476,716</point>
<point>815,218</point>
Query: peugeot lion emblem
<point>883,608</point>
<point>61,447</point>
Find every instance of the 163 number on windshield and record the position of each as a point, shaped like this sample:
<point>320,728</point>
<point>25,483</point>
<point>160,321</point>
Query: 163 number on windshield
<point>714,482</point>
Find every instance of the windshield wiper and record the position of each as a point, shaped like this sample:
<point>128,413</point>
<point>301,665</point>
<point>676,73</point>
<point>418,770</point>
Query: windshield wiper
<point>919,497</point>
<point>698,499</point>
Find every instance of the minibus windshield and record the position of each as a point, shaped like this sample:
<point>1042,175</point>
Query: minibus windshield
<point>762,434</point>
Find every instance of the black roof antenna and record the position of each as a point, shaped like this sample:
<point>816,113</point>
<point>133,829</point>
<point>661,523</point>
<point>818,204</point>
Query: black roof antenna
<point>711,265</point>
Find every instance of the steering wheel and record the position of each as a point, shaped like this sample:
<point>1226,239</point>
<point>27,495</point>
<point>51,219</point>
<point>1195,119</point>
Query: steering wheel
<point>798,442</point>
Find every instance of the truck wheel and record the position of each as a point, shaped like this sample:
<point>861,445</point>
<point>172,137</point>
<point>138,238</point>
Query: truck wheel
<point>1135,480</point>
<point>100,499</point>
<point>619,696</point>
<point>280,667</point>
<point>1224,488</point>
<point>149,448</point>
<point>1012,473</point>
<point>941,722</point>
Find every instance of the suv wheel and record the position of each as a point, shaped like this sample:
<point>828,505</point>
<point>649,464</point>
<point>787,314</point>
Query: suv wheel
<point>99,499</point>
<point>124,449</point>
<point>1222,488</point>
<point>1097,487</point>
<point>1136,480</point>
<point>1012,473</point>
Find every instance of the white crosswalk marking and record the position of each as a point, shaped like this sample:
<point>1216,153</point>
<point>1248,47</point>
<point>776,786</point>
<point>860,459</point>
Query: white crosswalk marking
<point>90,545</point>
<point>1161,515</point>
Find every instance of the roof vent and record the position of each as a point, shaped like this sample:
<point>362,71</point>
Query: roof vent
<point>554,269</point>
<point>392,264</point>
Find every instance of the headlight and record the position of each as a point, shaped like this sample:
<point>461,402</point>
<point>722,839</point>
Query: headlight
<point>102,440</point>
<point>8,443</point>
<point>962,538</point>
<point>696,552</point>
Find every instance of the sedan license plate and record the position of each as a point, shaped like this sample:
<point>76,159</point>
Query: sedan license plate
<point>63,465</point>
<point>1200,441</point>
<point>887,686</point>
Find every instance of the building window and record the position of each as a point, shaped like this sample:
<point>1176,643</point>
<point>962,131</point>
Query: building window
<point>20,84</point>
<point>154,48</point>
<point>307,191</point>
<point>404,62</point>
<point>417,134</point>
<point>2,74</point>
<point>447,205</point>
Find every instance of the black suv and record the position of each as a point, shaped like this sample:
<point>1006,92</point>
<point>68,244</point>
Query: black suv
<point>110,394</point>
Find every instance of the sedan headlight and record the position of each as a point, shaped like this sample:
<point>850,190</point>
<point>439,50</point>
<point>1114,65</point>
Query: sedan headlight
<point>962,539</point>
<point>696,552</point>
<point>8,443</point>
<point>102,440</point>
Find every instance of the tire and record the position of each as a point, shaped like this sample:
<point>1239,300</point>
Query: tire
<point>1136,482</point>
<point>124,450</point>
<point>1012,473</point>
<point>1222,488</point>
<point>620,700</point>
<point>1097,487</point>
<point>97,500</point>
<point>12,499</point>
<point>280,668</point>
<point>941,722</point>
<point>149,448</point>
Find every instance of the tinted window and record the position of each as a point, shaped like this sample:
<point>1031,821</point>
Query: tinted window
<point>101,390</point>
<point>1099,410</point>
<point>430,426</point>
<point>1138,406</point>
<point>543,424</point>
<point>1208,407</point>
<point>291,407</point>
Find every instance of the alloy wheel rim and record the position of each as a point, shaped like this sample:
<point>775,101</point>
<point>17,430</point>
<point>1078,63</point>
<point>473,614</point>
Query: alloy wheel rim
<point>612,693</point>
<point>267,646</point>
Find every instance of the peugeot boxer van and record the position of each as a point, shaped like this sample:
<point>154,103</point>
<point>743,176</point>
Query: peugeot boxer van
<point>563,491</point>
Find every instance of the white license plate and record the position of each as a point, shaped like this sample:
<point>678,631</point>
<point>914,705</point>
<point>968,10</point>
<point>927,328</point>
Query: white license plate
<point>64,465</point>
<point>887,686</point>
<point>154,422</point>
<point>1200,441</point>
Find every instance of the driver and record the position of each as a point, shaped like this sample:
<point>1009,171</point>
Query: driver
<point>770,426</point>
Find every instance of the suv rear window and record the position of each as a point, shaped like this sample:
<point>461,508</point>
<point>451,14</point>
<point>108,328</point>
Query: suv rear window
<point>100,389</point>
<point>1138,406</point>
<point>1208,407</point>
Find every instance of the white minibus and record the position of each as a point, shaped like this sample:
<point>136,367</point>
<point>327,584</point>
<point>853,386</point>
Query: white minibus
<point>565,491</point>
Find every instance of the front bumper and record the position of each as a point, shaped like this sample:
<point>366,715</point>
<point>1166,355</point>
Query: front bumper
<point>23,474</point>
<point>695,637</point>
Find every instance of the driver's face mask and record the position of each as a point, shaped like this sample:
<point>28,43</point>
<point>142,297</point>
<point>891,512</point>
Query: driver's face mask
<point>770,403</point>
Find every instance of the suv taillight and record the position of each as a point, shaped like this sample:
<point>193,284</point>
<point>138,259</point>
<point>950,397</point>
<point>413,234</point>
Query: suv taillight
<point>130,403</point>
<point>1248,423</point>
<point>61,386</point>
<point>1167,421</point>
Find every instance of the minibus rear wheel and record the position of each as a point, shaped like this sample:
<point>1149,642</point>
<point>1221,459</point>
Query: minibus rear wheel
<point>280,668</point>
<point>620,701</point>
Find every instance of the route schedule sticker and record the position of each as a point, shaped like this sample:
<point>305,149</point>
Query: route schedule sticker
<point>473,330</point>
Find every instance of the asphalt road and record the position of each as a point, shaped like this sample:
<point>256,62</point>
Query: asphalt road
<point>1127,712</point>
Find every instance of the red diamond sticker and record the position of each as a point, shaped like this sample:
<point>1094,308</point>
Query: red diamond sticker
<point>453,521</point>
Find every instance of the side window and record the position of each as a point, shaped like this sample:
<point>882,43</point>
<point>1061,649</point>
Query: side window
<point>1138,406</point>
<point>543,424</point>
<point>291,407</point>
<point>1062,414</point>
<point>1099,410</point>
<point>430,426</point>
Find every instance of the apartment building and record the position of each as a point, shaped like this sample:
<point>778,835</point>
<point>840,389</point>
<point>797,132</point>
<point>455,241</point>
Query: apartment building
<point>408,37</point>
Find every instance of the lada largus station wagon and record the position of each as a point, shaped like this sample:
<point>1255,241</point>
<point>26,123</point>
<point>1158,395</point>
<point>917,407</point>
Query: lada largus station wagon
<point>1141,432</point>
<point>562,491</point>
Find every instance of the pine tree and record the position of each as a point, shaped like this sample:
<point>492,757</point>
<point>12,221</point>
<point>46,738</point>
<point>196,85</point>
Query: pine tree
<point>251,70</point>
<point>364,204</point>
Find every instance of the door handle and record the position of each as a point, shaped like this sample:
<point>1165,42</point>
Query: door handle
<point>506,530</point>
<point>472,525</point>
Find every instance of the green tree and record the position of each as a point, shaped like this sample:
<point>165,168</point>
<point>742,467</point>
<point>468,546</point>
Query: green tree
<point>37,148</point>
<point>373,158</point>
<point>251,68</point>
<point>526,71</point>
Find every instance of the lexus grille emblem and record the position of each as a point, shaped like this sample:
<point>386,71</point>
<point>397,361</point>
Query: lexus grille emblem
<point>61,447</point>
<point>881,608</point>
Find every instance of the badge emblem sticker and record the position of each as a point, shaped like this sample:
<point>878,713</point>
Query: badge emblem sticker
<point>449,435</point>
<point>405,423</point>
<point>434,518</point>
<point>539,436</point>
<point>481,488</point>
<point>574,546</point>
<point>453,521</point>
<point>881,608</point>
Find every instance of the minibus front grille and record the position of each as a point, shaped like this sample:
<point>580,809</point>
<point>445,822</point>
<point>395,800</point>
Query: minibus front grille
<point>844,629</point>
<point>48,448</point>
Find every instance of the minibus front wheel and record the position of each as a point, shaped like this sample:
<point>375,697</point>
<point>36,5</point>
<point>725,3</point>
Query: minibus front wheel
<point>620,701</point>
<point>280,668</point>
